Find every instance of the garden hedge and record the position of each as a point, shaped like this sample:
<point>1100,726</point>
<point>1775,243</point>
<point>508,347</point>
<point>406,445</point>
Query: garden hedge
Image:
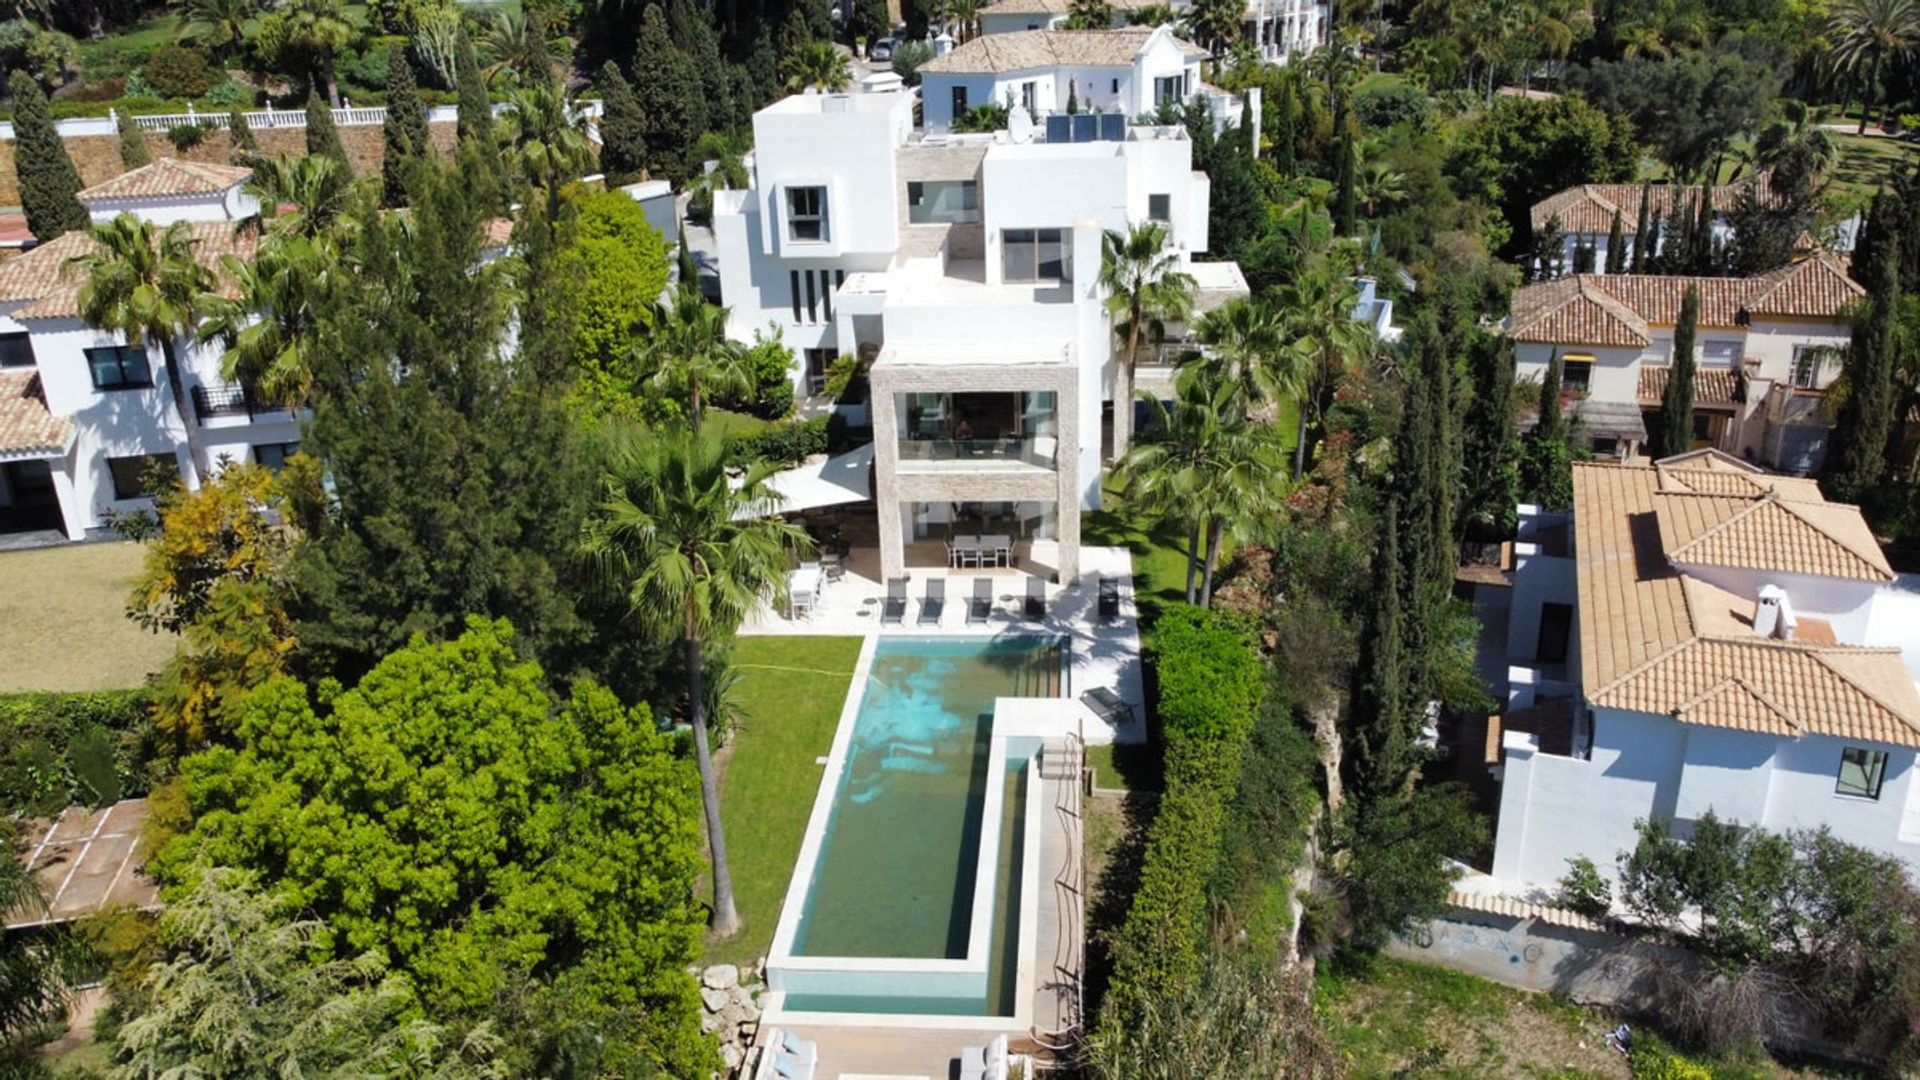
<point>1211,683</point>
<point>93,747</point>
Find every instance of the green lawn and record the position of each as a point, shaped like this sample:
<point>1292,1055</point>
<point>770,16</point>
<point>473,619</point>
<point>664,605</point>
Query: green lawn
<point>791,691</point>
<point>63,620</point>
<point>1866,162</point>
<point>1159,551</point>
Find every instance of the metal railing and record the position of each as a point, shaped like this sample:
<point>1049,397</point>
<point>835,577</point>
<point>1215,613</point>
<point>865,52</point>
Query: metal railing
<point>1070,891</point>
<point>353,116</point>
<point>217,402</point>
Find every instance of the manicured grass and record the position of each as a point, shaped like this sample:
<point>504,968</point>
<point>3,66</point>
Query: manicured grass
<point>1136,767</point>
<point>1159,551</point>
<point>1866,162</point>
<point>63,620</point>
<point>791,691</point>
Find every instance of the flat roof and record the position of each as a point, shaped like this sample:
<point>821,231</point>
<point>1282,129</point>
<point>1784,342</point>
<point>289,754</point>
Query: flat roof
<point>87,861</point>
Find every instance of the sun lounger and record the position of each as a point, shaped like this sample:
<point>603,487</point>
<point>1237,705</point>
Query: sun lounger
<point>894,610</point>
<point>1108,705</point>
<point>987,1062</point>
<point>934,603</point>
<point>1036,606</point>
<point>1109,599</point>
<point>980,608</point>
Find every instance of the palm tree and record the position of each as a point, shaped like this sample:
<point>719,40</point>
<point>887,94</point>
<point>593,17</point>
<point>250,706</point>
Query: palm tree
<point>1145,289</point>
<point>33,967</point>
<point>220,25</point>
<point>1246,340</point>
<point>315,30</point>
<point>266,327</point>
<point>1866,34</point>
<point>688,352</point>
<point>691,552</point>
<point>145,283</point>
<point>1154,15</point>
<point>305,197</point>
<point>1318,307</point>
<point>1377,184</point>
<point>965,15</point>
<point>817,66</point>
<point>549,143</point>
<point>1797,153</point>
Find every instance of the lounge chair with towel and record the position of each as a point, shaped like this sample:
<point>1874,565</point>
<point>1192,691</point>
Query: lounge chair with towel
<point>787,1056</point>
<point>981,606</point>
<point>1109,599</point>
<point>1036,606</point>
<point>1108,705</point>
<point>894,610</point>
<point>934,603</point>
<point>987,1062</point>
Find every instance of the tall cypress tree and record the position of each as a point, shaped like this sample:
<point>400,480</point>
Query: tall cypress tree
<point>1283,111</point>
<point>1346,204</point>
<point>1616,250</point>
<point>692,30</point>
<point>47,179</point>
<point>240,135</point>
<point>404,132</point>
<point>1858,456</point>
<point>474,120</point>
<point>669,96</point>
<point>1703,249</point>
<point>1378,755</point>
<point>1643,239</point>
<point>322,136</point>
<point>623,136</point>
<point>537,64</point>
<point>795,35</point>
<point>1676,402</point>
<point>133,145</point>
<point>763,65</point>
<point>1489,447</point>
<point>1546,462</point>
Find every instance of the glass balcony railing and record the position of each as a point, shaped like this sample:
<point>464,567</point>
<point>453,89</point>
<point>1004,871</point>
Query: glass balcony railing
<point>1037,450</point>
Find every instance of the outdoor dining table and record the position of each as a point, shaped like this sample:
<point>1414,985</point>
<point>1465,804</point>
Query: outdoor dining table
<point>804,582</point>
<point>977,550</point>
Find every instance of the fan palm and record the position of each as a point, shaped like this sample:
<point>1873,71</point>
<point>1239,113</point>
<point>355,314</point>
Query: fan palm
<point>1866,34</point>
<point>1377,184</point>
<point>688,352</point>
<point>220,25</point>
<point>965,15</point>
<point>146,283</point>
<point>266,327</point>
<point>33,984</point>
<point>1797,153</point>
<point>1145,289</point>
<point>1318,306</point>
<point>549,141</point>
<point>313,31</point>
<point>691,552</point>
<point>1246,340</point>
<point>307,197</point>
<point>817,65</point>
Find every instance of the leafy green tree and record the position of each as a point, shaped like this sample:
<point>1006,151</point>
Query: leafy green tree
<point>403,132</point>
<point>669,97</point>
<point>308,35</point>
<point>1346,214</point>
<point>870,20</point>
<point>323,138</point>
<point>691,553</point>
<point>688,353</point>
<point>1215,23</point>
<point>1140,273</point>
<point>1089,15</point>
<point>1689,109</point>
<point>133,145</point>
<point>1546,461</point>
<point>1233,1019</point>
<point>485,835</point>
<point>220,25</point>
<point>917,15</point>
<point>47,179</point>
<point>1237,211</point>
<point>144,282</point>
<point>620,262</point>
<point>1865,35</point>
<point>1676,401</point>
<point>537,65</point>
<point>908,56</point>
<point>1519,151</point>
<point>1400,859</point>
<point>1246,343</point>
<point>1857,458</point>
<point>623,132</point>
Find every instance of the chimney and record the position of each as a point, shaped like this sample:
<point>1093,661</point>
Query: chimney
<point>1773,614</point>
<point>942,43</point>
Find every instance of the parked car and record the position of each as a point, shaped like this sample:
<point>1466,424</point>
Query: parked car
<point>881,50</point>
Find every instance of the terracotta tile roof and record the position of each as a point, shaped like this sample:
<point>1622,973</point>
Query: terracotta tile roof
<point>168,177</point>
<point>1620,309</point>
<point>41,284</point>
<point>1589,208</point>
<point>26,426</point>
<point>1023,50</point>
<point>1711,386</point>
<point>14,232</point>
<point>1655,640</point>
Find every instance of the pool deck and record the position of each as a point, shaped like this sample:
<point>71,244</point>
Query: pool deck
<point>1104,654</point>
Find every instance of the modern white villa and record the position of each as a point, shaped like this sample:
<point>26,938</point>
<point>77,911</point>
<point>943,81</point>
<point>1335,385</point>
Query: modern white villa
<point>1700,635</point>
<point>964,268</point>
<point>1767,348</point>
<point>1281,30</point>
<point>82,413</point>
<point>1123,74</point>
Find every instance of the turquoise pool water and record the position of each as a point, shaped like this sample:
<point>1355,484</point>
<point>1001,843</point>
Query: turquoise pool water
<point>896,871</point>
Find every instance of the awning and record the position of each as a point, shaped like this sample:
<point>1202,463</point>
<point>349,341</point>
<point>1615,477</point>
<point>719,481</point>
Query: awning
<point>1602,419</point>
<point>828,481</point>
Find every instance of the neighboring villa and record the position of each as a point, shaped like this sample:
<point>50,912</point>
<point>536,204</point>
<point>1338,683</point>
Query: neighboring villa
<point>1768,347</point>
<point>82,413</point>
<point>965,268</point>
<point>1280,30</point>
<point>1127,73</point>
<point>1585,216</point>
<point>1702,636</point>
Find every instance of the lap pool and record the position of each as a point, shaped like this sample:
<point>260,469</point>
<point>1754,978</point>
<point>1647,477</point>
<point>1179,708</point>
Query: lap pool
<point>912,883</point>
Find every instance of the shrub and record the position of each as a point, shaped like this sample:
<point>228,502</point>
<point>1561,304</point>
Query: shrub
<point>229,93</point>
<point>367,68</point>
<point>56,749</point>
<point>908,58</point>
<point>989,117</point>
<point>178,71</point>
<point>1386,102</point>
<point>1584,890</point>
<point>771,363</point>
<point>783,444</point>
<point>187,136</point>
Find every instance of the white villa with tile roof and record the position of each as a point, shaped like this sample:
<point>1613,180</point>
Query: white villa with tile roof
<point>1280,30</point>
<point>1767,347</point>
<point>82,413</point>
<point>1702,635</point>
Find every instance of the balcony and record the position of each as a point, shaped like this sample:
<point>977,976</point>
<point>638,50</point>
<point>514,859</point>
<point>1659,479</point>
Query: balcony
<point>234,402</point>
<point>960,455</point>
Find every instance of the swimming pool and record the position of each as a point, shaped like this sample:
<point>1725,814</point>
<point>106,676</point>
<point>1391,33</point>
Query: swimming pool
<point>908,899</point>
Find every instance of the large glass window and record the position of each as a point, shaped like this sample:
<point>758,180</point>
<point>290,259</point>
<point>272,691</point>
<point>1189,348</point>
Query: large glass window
<point>274,455</point>
<point>943,202</point>
<point>1036,255</point>
<point>1806,366</point>
<point>1861,772</point>
<point>1576,372</point>
<point>16,350</point>
<point>140,475</point>
<point>119,367</point>
<point>978,427</point>
<point>807,213</point>
<point>1159,208</point>
<point>1167,90</point>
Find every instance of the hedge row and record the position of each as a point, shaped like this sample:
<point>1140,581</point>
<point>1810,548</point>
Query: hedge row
<point>58,749</point>
<point>1211,684</point>
<point>783,444</point>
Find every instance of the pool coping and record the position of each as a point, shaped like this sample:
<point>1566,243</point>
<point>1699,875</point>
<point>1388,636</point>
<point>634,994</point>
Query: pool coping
<point>978,962</point>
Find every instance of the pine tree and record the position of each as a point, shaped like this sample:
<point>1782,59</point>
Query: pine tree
<point>870,20</point>
<point>744,95</point>
<point>474,121</point>
<point>404,131</point>
<point>668,96</point>
<point>1346,204</point>
<point>693,33</point>
<point>623,137</point>
<point>133,145</point>
<point>1616,251</point>
<point>1858,456</point>
<point>1490,448</point>
<point>47,179</point>
<point>1676,401</point>
<point>322,136</point>
<point>1643,239</point>
<point>538,61</point>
